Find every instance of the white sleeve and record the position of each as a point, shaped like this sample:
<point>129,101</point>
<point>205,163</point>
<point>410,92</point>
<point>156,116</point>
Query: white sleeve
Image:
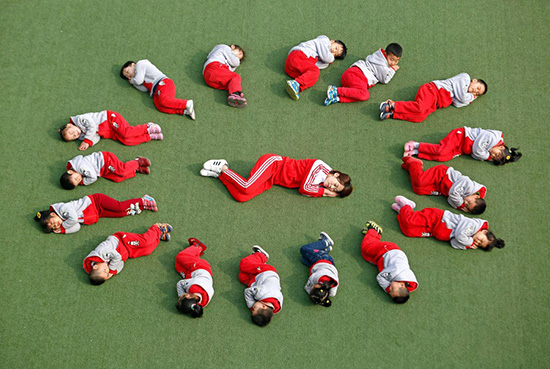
<point>139,77</point>
<point>88,173</point>
<point>462,240</point>
<point>231,59</point>
<point>249,297</point>
<point>69,216</point>
<point>323,51</point>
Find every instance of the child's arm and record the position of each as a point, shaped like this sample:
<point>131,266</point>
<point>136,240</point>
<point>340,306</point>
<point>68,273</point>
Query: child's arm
<point>106,250</point>
<point>69,216</point>
<point>325,57</point>
<point>462,239</point>
<point>231,58</point>
<point>88,173</point>
<point>139,77</point>
<point>250,297</point>
<point>486,140</point>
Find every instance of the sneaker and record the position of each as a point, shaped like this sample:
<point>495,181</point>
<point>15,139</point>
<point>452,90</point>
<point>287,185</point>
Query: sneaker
<point>386,115</point>
<point>257,248</point>
<point>409,146</point>
<point>402,201</point>
<point>236,100</point>
<point>143,170</point>
<point>190,109</point>
<point>386,106</point>
<point>208,173</point>
<point>372,225</point>
<point>214,165</point>
<point>149,203</point>
<point>156,136</point>
<point>153,128</point>
<point>195,242</point>
<point>332,96</point>
<point>395,207</point>
<point>325,238</point>
<point>407,154</point>
<point>133,209</point>
<point>165,230</point>
<point>293,89</point>
<point>143,162</point>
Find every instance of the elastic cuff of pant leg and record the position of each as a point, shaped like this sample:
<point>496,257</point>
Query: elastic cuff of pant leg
<point>416,144</point>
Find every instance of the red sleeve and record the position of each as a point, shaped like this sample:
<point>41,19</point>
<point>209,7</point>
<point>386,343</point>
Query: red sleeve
<point>200,291</point>
<point>275,303</point>
<point>89,142</point>
<point>482,192</point>
<point>88,262</point>
<point>69,166</point>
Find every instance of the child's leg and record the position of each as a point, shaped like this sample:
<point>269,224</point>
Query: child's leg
<point>165,98</point>
<point>425,182</point>
<point>418,223</point>
<point>372,248</point>
<point>259,180</point>
<point>251,266</point>
<point>190,260</point>
<point>448,148</point>
<point>302,69</point>
<point>121,131</point>
<point>140,244</point>
<point>108,207</point>
<point>219,76</point>
<point>313,252</point>
<point>418,110</point>
<point>116,170</point>
<point>355,86</point>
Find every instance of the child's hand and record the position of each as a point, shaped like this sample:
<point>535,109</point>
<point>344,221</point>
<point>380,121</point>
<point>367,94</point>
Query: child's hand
<point>57,230</point>
<point>83,146</point>
<point>395,67</point>
<point>329,193</point>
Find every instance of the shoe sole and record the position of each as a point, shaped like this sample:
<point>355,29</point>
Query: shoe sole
<point>293,94</point>
<point>403,201</point>
<point>208,173</point>
<point>259,249</point>
<point>331,242</point>
<point>236,103</point>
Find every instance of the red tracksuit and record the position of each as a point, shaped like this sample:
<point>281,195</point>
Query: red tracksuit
<point>118,129</point>
<point>131,245</point>
<point>454,144</point>
<point>187,262</point>
<point>428,99</point>
<point>165,97</point>
<point>355,86</point>
<point>302,68</point>
<point>218,75</point>
<point>250,267</point>
<point>104,206</point>
<point>424,223</point>
<point>114,169</point>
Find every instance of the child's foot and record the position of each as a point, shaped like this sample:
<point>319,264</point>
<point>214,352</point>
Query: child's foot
<point>165,230</point>
<point>143,170</point>
<point>133,209</point>
<point>257,248</point>
<point>190,110</point>
<point>410,146</point>
<point>386,115</point>
<point>325,238</point>
<point>373,225</point>
<point>408,160</point>
<point>293,89</point>
<point>149,203</point>
<point>153,128</point>
<point>387,106</point>
<point>332,96</point>
<point>236,100</point>
<point>208,173</point>
<point>214,165</point>
<point>403,201</point>
<point>395,207</point>
<point>196,242</point>
<point>143,162</point>
<point>156,136</point>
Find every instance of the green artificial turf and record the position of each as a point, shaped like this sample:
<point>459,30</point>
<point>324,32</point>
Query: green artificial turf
<point>471,310</point>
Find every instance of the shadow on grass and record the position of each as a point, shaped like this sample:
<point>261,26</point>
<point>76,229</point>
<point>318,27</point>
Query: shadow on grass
<point>275,61</point>
<point>56,171</point>
<point>77,255</point>
<point>235,294</point>
<point>293,285</point>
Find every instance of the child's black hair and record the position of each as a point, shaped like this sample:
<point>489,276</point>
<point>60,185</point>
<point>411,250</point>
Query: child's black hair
<point>190,306</point>
<point>95,278</point>
<point>509,156</point>
<point>395,49</point>
<point>61,129</point>
<point>263,317</point>
<point>480,206</point>
<point>344,51</point>
<point>496,242</point>
<point>65,181</point>
<point>320,295</point>
<point>238,47</point>
<point>345,180</point>
<point>127,64</point>
<point>484,84</point>
<point>42,217</point>
<point>402,297</point>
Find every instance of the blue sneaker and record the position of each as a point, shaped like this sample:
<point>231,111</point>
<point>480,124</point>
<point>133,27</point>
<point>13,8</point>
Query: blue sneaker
<point>386,115</point>
<point>325,238</point>
<point>293,89</point>
<point>332,96</point>
<point>165,230</point>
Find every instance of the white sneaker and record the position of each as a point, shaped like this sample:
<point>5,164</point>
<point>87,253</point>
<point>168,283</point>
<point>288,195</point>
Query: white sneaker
<point>209,173</point>
<point>214,165</point>
<point>190,109</point>
<point>257,248</point>
<point>402,201</point>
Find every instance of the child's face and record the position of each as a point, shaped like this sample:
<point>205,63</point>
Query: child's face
<point>130,71</point>
<point>332,183</point>
<point>259,306</point>
<point>497,153</point>
<point>395,286</point>
<point>71,132</point>
<point>392,59</point>
<point>336,49</point>
<point>476,88</point>
<point>103,270</point>
<point>470,202</point>
<point>54,223</point>
<point>76,177</point>
<point>481,240</point>
<point>237,52</point>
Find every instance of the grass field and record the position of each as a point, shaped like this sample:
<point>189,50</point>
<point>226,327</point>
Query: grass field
<point>472,309</point>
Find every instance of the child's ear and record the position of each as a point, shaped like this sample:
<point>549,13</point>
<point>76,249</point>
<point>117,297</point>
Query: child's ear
<point>95,266</point>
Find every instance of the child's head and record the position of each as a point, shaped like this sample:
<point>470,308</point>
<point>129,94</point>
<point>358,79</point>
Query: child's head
<point>261,313</point>
<point>69,132</point>
<point>188,303</point>
<point>48,220</point>
<point>319,294</point>
<point>486,240</point>
<point>128,70</point>
<point>100,273</point>
<point>338,49</point>
<point>338,182</point>
<point>477,87</point>
<point>501,155</point>
<point>399,292</point>
<point>393,54</point>
<point>238,51</point>
<point>474,204</point>
<point>70,179</point>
